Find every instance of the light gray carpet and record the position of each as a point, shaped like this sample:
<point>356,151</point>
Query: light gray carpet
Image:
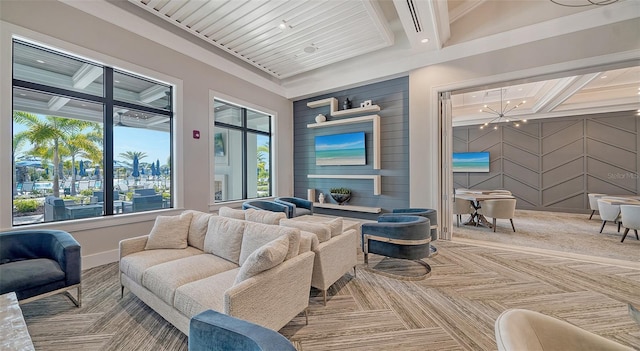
<point>565,232</point>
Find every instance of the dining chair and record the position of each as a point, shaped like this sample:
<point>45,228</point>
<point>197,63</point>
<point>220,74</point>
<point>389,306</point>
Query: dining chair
<point>461,207</point>
<point>608,212</point>
<point>593,202</point>
<point>499,208</point>
<point>630,218</point>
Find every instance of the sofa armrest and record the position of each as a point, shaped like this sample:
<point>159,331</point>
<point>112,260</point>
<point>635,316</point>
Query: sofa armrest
<point>132,245</point>
<point>334,258</point>
<point>274,297</point>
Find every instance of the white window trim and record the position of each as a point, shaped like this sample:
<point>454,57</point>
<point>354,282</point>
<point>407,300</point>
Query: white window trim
<point>10,31</point>
<point>215,95</point>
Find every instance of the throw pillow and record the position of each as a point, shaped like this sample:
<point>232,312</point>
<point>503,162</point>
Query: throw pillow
<point>169,232</point>
<point>258,234</point>
<point>224,238</point>
<point>265,257</point>
<point>231,213</point>
<point>198,228</point>
<point>265,217</point>
<point>321,230</point>
<point>336,226</point>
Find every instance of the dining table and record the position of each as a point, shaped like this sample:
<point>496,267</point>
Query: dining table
<point>476,198</point>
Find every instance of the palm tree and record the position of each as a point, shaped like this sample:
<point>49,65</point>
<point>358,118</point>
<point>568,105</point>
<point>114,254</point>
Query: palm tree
<point>130,155</point>
<point>49,133</point>
<point>79,144</point>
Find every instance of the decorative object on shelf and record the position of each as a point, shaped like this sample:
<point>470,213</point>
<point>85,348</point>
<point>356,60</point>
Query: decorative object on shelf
<point>320,118</point>
<point>341,195</point>
<point>501,113</point>
<point>367,103</point>
<point>321,198</point>
<point>333,108</point>
<point>347,104</point>
<point>362,105</point>
<point>311,194</point>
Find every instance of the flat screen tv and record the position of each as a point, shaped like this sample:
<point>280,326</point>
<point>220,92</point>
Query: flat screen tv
<point>471,161</point>
<point>341,149</point>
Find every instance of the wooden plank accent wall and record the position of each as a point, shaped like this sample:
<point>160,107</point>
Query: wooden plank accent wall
<point>552,164</point>
<point>393,98</point>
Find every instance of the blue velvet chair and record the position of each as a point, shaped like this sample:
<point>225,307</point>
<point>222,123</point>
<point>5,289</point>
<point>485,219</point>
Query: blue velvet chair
<point>431,214</point>
<point>214,331</point>
<point>404,237</point>
<point>297,206</point>
<point>39,263</point>
<point>266,205</point>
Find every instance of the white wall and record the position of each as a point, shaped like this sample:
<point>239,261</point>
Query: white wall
<point>65,27</point>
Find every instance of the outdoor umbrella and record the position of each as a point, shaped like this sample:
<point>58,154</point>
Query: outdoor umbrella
<point>135,173</point>
<point>82,172</point>
<point>97,171</point>
<point>153,169</point>
<point>142,171</point>
<point>158,167</point>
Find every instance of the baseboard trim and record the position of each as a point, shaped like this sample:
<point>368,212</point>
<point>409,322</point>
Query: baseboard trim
<point>100,258</point>
<point>551,253</point>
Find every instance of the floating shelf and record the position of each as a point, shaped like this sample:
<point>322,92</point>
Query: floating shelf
<point>348,207</point>
<point>376,179</point>
<point>334,112</point>
<point>375,119</point>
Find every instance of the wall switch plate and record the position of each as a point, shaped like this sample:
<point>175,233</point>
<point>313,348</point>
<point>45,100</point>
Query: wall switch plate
<point>196,134</point>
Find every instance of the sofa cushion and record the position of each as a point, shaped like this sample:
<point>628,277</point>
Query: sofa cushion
<point>265,257</point>
<point>204,294</point>
<point>134,265</point>
<point>258,234</point>
<point>198,228</point>
<point>29,274</point>
<point>169,232</point>
<point>265,217</point>
<point>308,242</point>
<point>163,279</point>
<point>224,238</point>
<point>321,230</point>
<point>231,213</point>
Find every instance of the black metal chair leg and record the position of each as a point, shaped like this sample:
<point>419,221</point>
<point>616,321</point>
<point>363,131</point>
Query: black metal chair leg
<point>636,231</point>
<point>626,231</point>
<point>619,223</point>
<point>603,223</point>
<point>592,212</point>
<point>512,226</point>
<point>494,225</point>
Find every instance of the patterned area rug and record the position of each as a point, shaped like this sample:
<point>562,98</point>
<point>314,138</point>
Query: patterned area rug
<point>566,232</point>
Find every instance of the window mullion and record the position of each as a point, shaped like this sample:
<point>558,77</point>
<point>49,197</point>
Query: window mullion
<point>108,141</point>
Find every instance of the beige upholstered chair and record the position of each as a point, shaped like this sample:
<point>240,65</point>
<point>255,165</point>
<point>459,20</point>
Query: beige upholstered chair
<point>593,202</point>
<point>500,191</point>
<point>608,212</point>
<point>499,208</point>
<point>630,218</point>
<point>524,330</point>
<point>461,207</point>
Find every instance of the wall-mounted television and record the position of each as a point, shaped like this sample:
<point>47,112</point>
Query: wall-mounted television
<point>471,161</point>
<point>345,149</point>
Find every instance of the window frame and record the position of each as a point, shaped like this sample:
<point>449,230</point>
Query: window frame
<point>217,96</point>
<point>7,35</point>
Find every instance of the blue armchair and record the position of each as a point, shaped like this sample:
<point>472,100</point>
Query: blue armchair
<point>39,263</point>
<point>214,331</point>
<point>431,214</point>
<point>297,206</point>
<point>266,205</point>
<point>405,237</point>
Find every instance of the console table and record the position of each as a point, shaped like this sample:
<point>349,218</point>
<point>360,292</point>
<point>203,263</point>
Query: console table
<point>13,330</point>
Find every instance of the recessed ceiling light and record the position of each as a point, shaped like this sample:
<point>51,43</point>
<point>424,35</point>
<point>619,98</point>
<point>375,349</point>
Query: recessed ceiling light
<point>311,49</point>
<point>425,40</point>
<point>23,94</point>
<point>603,77</point>
<point>519,89</point>
<point>39,61</point>
<point>116,81</point>
<point>284,25</point>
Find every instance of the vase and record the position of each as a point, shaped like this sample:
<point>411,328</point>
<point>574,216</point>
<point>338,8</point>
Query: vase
<point>320,118</point>
<point>341,199</point>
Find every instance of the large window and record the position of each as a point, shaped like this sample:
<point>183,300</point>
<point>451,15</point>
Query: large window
<point>88,140</point>
<point>242,153</point>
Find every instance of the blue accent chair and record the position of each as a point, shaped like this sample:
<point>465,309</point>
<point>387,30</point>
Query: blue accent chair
<point>144,192</point>
<point>214,331</point>
<point>38,263</point>
<point>297,206</point>
<point>405,237</point>
<point>266,205</point>
<point>146,203</point>
<point>431,214</point>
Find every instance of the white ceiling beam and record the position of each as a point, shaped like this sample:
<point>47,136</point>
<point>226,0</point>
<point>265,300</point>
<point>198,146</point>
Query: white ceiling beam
<point>152,94</point>
<point>417,18</point>
<point>563,90</point>
<point>56,102</point>
<point>463,9</point>
<point>440,20</point>
<point>86,75</point>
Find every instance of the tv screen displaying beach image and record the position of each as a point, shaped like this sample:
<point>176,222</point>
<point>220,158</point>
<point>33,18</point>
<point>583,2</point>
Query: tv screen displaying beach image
<point>341,149</point>
<point>471,161</point>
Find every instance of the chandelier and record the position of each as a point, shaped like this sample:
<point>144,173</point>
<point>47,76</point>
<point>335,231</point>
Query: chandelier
<point>501,113</point>
<point>582,3</point>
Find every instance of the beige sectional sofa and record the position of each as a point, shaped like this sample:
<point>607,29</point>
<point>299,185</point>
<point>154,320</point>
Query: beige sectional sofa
<point>198,261</point>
